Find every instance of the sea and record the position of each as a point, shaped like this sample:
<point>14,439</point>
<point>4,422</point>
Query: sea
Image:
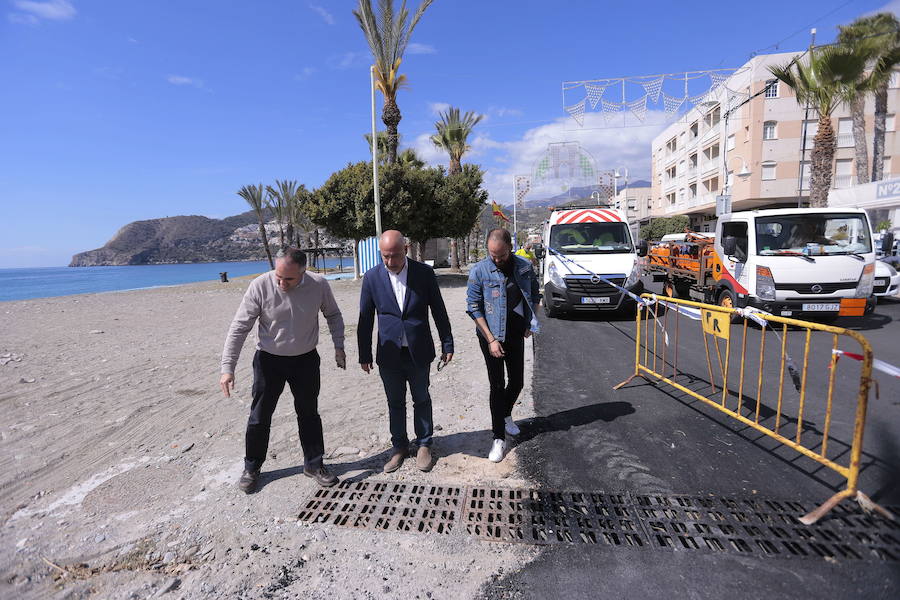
<point>44,282</point>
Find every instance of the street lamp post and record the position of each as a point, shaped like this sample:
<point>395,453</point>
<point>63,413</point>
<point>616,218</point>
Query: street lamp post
<point>375,157</point>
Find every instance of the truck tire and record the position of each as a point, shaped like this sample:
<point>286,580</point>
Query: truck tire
<point>726,299</point>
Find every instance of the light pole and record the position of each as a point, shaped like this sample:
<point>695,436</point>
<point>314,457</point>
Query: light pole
<point>375,157</point>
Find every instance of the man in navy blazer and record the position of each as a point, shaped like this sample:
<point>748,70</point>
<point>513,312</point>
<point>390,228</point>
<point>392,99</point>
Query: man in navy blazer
<point>401,291</point>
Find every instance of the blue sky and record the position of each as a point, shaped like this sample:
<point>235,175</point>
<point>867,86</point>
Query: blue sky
<point>115,111</point>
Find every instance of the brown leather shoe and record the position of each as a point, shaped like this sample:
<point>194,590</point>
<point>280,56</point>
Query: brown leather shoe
<point>322,476</point>
<point>396,460</point>
<point>424,459</point>
<point>248,481</point>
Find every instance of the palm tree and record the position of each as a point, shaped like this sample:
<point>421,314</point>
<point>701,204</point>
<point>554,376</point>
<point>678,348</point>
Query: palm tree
<point>877,38</point>
<point>388,34</point>
<point>382,145</point>
<point>409,158</point>
<point>829,77</point>
<point>452,137</point>
<point>279,199</point>
<point>254,197</point>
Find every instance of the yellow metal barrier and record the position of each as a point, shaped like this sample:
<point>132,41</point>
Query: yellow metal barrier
<point>657,344</point>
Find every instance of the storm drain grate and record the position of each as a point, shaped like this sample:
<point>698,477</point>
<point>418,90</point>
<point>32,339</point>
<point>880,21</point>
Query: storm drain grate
<point>387,506</point>
<point>546,517</point>
<point>669,523</point>
<point>752,526</point>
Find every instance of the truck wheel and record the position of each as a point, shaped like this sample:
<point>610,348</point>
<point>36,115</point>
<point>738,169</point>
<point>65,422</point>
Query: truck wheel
<point>726,298</point>
<point>683,290</point>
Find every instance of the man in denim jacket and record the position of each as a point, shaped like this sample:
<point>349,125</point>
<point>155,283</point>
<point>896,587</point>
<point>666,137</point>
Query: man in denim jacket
<point>502,298</point>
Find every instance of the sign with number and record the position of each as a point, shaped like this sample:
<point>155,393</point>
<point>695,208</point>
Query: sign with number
<point>717,323</point>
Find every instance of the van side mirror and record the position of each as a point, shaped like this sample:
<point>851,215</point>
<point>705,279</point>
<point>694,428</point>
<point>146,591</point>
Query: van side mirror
<point>729,245</point>
<point>642,248</point>
<point>887,243</point>
<point>539,251</point>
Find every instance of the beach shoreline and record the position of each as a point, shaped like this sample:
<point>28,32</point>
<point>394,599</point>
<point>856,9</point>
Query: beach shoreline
<point>120,453</point>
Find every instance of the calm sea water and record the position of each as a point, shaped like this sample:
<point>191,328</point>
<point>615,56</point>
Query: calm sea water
<point>21,284</point>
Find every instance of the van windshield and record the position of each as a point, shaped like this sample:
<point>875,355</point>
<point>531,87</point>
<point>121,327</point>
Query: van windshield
<point>591,238</point>
<point>814,233</point>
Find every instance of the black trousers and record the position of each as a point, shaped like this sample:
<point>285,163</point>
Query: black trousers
<point>504,390</point>
<point>270,373</point>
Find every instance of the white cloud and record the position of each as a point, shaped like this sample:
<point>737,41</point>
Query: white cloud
<point>52,10</point>
<point>611,148</point>
<point>22,19</point>
<point>414,48</point>
<point>505,111</point>
<point>349,60</point>
<point>891,7</point>
<point>326,16</point>
<point>305,73</point>
<point>133,41</point>
<point>182,80</point>
<point>437,108</point>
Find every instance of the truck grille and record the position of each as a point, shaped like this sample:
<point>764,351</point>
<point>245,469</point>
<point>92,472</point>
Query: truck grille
<point>881,285</point>
<point>585,287</point>
<point>806,288</point>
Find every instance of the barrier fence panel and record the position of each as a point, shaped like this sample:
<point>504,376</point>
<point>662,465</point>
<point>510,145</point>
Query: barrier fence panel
<point>745,364</point>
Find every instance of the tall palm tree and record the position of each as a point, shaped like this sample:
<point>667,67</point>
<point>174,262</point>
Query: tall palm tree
<point>388,34</point>
<point>452,135</point>
<point>279,199</point>
<point>827,78</point>
<point>876,37</point>
<point>382,145</point>
<point>254,196</point>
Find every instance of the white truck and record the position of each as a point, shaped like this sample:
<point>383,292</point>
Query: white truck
<point>814,263</point>
<point>583,242</point>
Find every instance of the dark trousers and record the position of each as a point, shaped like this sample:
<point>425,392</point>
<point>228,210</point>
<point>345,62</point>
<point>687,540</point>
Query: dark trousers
<point>270,373</point>
<point>504,393</point>
<point>395,382</point>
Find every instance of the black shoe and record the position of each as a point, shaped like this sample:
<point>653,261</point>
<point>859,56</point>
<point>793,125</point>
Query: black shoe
<point>322,476</point>
<point>248,481</point>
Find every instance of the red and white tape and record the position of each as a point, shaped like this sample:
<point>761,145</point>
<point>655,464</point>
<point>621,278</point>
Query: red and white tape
<point>880,365</point>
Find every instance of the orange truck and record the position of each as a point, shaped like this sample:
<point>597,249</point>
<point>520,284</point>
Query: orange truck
<point>813,263</point>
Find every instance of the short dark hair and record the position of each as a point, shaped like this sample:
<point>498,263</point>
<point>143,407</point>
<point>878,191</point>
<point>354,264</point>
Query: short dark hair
<point>500,234</point>
<point>294,255</point>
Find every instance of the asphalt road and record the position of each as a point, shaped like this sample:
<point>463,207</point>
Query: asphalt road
<point>648,439</point>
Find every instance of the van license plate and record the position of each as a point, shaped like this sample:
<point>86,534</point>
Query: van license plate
<point>600,300</point>
<point>822,307</point>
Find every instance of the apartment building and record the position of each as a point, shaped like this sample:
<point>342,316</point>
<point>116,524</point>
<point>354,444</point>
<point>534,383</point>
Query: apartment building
<point>754,151</point>
<point>636,200</point>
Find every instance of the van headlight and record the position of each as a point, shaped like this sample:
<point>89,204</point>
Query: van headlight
<point>634,276</point>
<point>555,277</point>
<point>866,282</point>
<point>765,283</point>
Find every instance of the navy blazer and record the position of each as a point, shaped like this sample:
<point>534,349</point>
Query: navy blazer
<point>378,296</point>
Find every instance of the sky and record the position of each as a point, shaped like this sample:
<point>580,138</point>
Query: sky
<point>117,111</point>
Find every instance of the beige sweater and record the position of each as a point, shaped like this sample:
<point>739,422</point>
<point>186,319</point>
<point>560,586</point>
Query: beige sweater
<point>288,321</point>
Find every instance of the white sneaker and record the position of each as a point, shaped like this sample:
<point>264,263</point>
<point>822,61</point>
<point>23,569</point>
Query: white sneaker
<point>511,427</point>
<point>497,450</point>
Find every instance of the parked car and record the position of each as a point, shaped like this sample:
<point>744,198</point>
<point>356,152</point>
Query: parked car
<point>887,280</point>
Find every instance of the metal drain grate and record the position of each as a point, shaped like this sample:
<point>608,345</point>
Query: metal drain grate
<point>386,506</point>
<point>542,517</point>
<point>669,523</point>
<point>762,528</point>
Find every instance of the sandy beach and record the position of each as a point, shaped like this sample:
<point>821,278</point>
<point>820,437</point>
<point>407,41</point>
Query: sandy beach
<point>120,457</point>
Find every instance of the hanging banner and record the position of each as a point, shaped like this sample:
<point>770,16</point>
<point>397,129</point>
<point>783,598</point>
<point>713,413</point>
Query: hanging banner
<point>672,104</point>
<point>523,186</point>
<point>639,108</point>
<point>577,112</point>
<point>594,92</point>
<point>609,109</point>
<point>653,88</point>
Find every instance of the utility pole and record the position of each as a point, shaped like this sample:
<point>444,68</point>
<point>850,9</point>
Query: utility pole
<point>375,157</point>
<point>812,44</point>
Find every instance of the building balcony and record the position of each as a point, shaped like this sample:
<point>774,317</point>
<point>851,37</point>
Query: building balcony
<point>842,181</point>
<point>844,140</point>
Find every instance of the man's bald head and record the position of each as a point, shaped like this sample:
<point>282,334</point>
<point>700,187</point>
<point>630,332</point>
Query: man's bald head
<point>392,246</point>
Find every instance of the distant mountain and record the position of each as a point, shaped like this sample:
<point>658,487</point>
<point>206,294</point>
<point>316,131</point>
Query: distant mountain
<point>578,194</point>
<point>178,240</point>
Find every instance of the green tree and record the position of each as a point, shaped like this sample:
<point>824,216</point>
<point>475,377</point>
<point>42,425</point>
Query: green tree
<point>877,38</point>
<point>279,199</point>
<point>452,137</point>
<point>254,196</point>
<point>655,229</point>
<point>825,79</point>
<point>409,158</point>
<point>461,201</point>
<point>388,34</point>
<point>381,136</point>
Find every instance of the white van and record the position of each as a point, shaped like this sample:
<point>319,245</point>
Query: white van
<point>581,243</point>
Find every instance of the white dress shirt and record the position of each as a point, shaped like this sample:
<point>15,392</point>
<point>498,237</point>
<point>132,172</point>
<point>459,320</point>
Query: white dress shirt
<point>398,282</point>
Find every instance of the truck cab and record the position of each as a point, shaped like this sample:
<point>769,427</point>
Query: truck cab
<point>581,243</point>
<point>816,263</point>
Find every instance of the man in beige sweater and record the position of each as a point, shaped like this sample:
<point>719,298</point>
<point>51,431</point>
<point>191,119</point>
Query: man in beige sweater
<point>286,302</point>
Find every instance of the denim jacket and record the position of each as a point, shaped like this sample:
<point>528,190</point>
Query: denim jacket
<point>486,294</point>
